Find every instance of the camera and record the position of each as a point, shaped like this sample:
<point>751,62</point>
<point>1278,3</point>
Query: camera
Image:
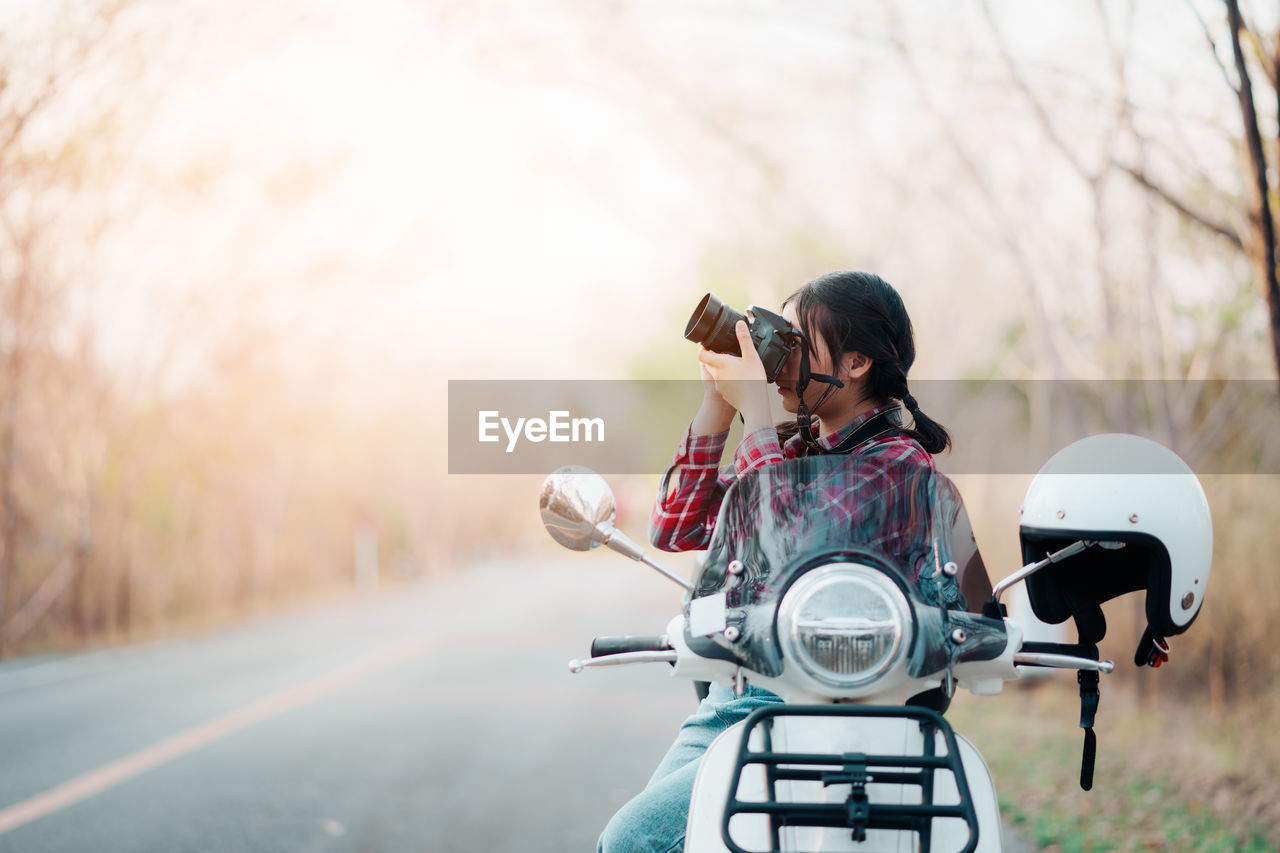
<point>712,322</point>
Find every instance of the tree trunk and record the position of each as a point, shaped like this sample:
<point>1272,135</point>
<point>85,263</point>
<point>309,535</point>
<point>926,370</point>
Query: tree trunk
<point>1266,260</point>
<point>9,531</point>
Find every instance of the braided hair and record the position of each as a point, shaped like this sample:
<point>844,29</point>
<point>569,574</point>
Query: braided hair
<point>861,312</point>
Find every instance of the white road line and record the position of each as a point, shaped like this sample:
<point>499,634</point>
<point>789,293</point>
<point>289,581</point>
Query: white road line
<point>113,773</point>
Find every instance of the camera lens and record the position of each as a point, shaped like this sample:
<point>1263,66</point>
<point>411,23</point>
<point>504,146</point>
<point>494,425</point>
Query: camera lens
<point>711,325</point>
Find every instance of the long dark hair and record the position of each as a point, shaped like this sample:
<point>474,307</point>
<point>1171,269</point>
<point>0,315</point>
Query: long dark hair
<point>861,312</point>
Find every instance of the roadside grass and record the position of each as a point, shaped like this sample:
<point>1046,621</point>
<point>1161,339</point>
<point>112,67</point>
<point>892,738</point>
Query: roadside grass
<point>1169,776</point>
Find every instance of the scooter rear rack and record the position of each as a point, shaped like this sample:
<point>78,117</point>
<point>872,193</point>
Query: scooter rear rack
<point>857,770</point>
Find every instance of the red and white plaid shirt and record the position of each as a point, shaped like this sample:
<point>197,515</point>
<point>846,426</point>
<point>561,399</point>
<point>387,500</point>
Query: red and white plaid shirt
<point>684,521</point>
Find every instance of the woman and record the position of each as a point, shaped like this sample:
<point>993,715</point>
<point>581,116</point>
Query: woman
<point>850,375</point>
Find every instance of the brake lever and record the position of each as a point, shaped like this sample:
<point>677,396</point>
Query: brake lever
<point>1063,661</point>
<point>576,665</point>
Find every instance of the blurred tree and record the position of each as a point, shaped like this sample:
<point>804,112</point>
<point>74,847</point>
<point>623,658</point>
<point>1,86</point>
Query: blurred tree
<point>54,123</point>
<point>179,473</point>
<point>1114,298</point>
<point>1125,295</point>
<point>1239,215</point>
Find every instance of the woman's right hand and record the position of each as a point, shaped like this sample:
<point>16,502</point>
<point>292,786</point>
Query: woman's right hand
<point>710,395</point>
<point>715,415</point>
<point>740,379</point>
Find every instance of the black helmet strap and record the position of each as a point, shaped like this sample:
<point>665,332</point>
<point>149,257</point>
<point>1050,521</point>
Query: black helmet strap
<point>1089,695</point>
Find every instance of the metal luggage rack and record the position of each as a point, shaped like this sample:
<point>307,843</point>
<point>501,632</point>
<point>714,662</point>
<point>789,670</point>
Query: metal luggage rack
<point>857,813</point>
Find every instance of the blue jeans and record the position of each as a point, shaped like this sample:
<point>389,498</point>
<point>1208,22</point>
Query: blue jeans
<point>654,820</point>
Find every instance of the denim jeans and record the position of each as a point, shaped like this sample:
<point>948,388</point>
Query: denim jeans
<point>654,820</point>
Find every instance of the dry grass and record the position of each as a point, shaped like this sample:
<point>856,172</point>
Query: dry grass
<point>1170,776</point>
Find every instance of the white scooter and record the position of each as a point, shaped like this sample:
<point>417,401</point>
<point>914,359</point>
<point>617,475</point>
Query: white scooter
<point>834,582</point>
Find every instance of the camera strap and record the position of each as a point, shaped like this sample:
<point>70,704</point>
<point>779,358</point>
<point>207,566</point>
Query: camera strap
<point>804,418</point>
<point>890,420</point>
<point>874,427</point>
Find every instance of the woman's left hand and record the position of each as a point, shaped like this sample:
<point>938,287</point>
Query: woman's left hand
<point>741,379</point>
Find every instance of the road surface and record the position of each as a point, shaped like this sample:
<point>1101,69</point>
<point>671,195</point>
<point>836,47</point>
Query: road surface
<point>434,717</point>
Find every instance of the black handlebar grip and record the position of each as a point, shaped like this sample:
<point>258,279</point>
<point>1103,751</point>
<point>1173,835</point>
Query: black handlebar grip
<point>602,646</point>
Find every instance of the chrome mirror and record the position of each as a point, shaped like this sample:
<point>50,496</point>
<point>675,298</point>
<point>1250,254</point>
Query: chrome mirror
<point>578,511</point>
<point>577,507</point>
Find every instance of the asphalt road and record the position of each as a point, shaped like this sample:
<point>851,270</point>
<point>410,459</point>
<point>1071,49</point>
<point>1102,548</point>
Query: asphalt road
<point>435,717</point>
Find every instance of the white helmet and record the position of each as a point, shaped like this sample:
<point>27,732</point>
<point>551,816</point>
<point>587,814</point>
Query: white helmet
<point>1115,489</point>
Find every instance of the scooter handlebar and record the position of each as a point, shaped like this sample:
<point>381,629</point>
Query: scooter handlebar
<point>602,646</point>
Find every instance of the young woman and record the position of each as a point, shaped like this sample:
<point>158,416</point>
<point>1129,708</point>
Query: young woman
<point>849,375</point>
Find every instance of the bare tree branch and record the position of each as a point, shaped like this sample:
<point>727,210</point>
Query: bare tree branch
<point>1150,185</point>
<point>1097,177</point>
<point>46,594</point>
<point>19,120</point>
<point>1037,108</point>
<point>1183,163</point>
<point>1213,46</point>
<point>1182,160</point>
<point>1048,336</point>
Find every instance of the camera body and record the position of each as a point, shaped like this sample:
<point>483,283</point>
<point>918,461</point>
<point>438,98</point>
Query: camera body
<point>712,322</point>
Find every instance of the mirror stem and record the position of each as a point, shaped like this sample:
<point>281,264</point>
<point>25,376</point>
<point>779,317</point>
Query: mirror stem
<point>624,544</point>
<point>1031,568</point>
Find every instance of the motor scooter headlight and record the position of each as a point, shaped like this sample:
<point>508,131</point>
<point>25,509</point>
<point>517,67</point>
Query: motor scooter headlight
<point>844,624</point>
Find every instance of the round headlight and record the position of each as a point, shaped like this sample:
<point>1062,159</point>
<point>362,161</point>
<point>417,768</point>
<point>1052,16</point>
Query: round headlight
<point>843,624</point>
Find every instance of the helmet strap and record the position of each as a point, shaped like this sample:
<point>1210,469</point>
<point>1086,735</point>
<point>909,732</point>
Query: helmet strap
<point>1089,696</point>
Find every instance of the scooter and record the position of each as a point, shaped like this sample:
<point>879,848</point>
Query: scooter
<point>854,590</point>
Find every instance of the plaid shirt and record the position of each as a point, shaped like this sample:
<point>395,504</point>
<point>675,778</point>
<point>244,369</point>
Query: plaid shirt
<point>684,520</point>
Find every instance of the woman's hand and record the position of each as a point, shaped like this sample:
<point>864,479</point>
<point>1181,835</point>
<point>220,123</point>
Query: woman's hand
<point>715,415</point>
<point>738,380</point>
